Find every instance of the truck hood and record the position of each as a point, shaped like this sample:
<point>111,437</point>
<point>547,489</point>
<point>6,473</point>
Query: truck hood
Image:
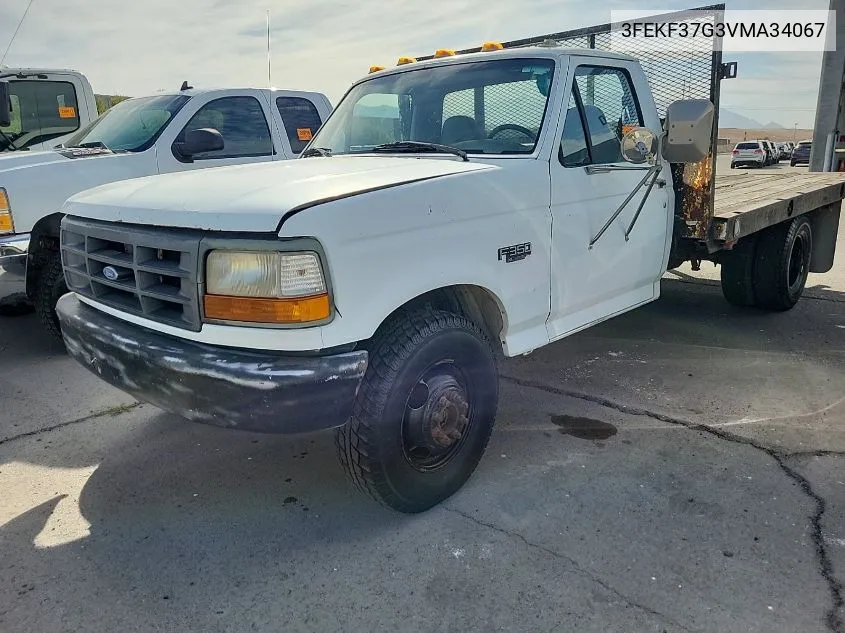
<point>38,183</point>
<point>11,161</point>
<point>254,198</point>
<point>18,160</point>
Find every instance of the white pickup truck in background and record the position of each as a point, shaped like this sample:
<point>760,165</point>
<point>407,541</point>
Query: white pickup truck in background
<point>450,211</point>
<point>47,107</point>
<point>168,132</point>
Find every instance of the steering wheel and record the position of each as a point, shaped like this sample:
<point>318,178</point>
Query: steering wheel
<point>511,126</point>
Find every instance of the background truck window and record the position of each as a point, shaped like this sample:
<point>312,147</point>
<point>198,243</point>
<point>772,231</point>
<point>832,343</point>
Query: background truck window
<point>242,123</point>
<point>301,120</point>
<point>41,111</point>
<point>609,107</point>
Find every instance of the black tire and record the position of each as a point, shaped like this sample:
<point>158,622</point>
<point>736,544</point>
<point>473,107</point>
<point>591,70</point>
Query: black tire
<point>389,447</point>
<point>792,163</point>
<point>49,288</point>
<point>782,263</point>
<point>737,273</point>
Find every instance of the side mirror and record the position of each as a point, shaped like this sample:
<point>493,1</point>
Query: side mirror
<point>199,141</point>
<point>5,105</point>
<point>689,131</point>
<point>639,146</point>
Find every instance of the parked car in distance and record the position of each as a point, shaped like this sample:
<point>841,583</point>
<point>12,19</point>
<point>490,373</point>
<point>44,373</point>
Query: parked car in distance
<point>785,151</point>
<point>801,153</point>
<point>749,154</point>
<point>773,152</point>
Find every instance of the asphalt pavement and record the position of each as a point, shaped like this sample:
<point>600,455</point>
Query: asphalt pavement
<point>678,468</point>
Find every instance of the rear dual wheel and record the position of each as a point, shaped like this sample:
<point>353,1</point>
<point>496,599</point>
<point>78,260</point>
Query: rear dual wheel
<point>769,271</point>
<point>424,412</point>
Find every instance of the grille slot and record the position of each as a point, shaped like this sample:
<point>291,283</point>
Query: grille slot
<point>140,270</point>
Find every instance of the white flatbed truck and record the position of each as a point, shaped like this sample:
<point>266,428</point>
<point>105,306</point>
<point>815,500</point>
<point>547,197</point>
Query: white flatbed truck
<point>449,211</point>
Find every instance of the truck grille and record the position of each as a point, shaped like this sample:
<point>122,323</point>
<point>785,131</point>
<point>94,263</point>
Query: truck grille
<point>144,271</point>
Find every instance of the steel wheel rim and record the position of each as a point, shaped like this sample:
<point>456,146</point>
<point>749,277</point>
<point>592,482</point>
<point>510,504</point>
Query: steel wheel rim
<point>796,271</point>
<point>437,417</point>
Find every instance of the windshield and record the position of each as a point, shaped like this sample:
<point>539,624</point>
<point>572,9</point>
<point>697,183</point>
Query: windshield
<point>130,126</point>
<point>485,107</point>
<point>41,110</point>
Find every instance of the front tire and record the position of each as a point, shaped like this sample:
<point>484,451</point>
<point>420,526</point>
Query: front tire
<point>49,288</point>
<point>782,263</point>
<point>424,413</point>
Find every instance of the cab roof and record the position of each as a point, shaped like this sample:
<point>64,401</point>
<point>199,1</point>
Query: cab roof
<point>548,52</point>
<point>195,92</point>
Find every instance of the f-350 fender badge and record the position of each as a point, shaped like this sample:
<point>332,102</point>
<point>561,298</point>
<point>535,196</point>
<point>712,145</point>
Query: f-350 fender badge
<point>514,253</point>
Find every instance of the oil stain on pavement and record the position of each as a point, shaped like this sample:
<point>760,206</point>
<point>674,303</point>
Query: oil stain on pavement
<point>584,428</point>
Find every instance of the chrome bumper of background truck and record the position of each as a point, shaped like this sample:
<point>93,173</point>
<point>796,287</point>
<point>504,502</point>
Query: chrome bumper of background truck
<point>254,391</point>
<point>13,251</point>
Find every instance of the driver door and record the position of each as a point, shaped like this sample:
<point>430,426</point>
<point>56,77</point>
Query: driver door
<point>590,181</point>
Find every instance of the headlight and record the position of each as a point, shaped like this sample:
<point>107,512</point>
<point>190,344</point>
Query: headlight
<point>265,287</point>
<point>6,223</point>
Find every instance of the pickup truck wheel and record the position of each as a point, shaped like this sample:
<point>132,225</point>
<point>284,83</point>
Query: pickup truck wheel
<point>782,264</point>
<point>48,290</point>
<point>737,272</point>
<point>424,413</point>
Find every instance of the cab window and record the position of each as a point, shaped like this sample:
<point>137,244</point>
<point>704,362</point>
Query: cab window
<point>300,119</point>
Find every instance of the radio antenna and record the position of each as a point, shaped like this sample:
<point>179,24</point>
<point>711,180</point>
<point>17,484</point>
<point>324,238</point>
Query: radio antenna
<point>269,62</point>
<point>15,34</point>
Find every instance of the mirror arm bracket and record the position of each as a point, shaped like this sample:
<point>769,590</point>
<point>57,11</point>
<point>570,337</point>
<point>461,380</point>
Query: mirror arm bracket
<point>651,173</point>
<point>642,202</point>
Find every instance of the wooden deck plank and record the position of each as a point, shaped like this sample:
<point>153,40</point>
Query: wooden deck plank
<point>737,194</point>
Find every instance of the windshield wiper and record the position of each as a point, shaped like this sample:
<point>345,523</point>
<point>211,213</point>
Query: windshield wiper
<point>317,151</point>
<point>9,143</point>
<point>420,146</point>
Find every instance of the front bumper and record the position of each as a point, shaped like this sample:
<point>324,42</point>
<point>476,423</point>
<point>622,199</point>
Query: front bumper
<point>253,391</point>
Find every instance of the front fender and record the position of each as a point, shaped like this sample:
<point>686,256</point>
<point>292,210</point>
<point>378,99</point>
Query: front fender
<point>385,248</point>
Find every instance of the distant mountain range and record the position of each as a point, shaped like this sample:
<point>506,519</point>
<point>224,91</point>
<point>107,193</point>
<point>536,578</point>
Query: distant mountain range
<point>727,119</point>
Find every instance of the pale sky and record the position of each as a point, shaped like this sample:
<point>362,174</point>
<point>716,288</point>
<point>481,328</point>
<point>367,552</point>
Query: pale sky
<point>137,48</point>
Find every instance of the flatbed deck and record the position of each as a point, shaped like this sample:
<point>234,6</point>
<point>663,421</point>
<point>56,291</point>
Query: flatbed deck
<point>748,202</point>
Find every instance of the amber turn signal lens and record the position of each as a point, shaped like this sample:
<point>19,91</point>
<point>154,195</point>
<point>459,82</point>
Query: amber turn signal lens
<point>254,310</point>
<point>6,223</point>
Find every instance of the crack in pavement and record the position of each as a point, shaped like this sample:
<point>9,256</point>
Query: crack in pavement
<point>574,563</point>
<point>833,618</point>
<point>821,453</point>
<point>113,411</point>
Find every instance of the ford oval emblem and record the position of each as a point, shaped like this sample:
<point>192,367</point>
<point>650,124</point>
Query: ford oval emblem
<point>110,273</point>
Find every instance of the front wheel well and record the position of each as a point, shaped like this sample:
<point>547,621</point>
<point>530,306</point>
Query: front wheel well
<point>476,303</point>
<point>43,240</point>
